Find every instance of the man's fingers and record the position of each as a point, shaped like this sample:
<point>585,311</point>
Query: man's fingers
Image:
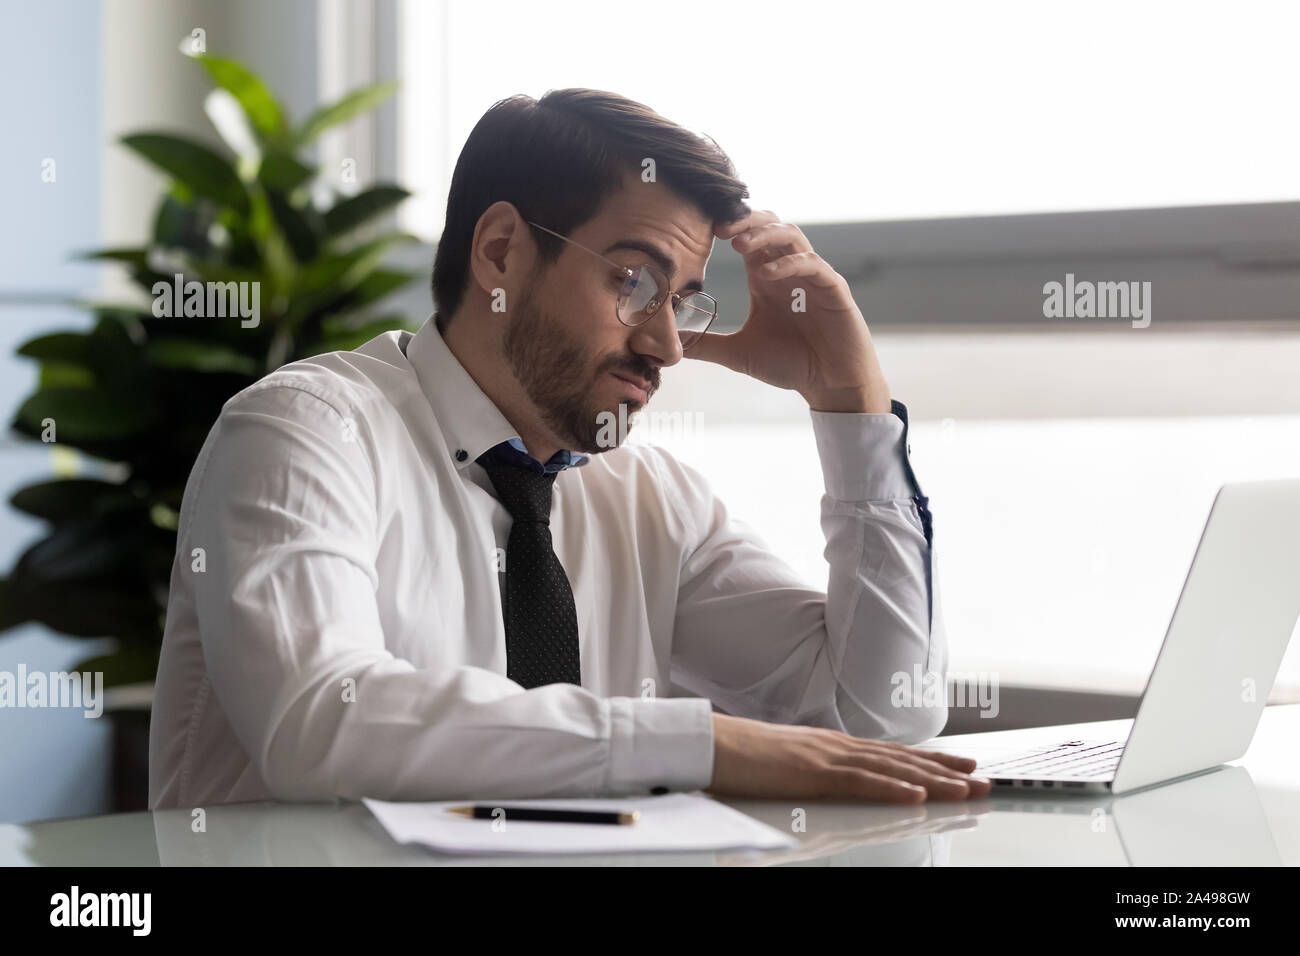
<point>759,244</point>
<point>757,218</point>
<point>939,785</point>
<point>714,347</point>
<point>925,762</point>
<point>936,762</point>
<point>860,782</point>
<point>801,264</point>
<point>965,764</point>
<point>901,755</point>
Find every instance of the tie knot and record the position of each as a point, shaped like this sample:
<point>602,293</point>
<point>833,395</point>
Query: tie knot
<point>525,493</point>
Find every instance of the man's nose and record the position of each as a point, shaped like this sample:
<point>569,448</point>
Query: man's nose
<point>657,338</point>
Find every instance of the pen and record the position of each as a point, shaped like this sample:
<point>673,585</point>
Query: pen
<point>480,812</point>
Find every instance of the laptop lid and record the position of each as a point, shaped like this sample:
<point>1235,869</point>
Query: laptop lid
<point>1226,638</point>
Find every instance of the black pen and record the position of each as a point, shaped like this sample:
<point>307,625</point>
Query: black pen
<point>480,812</point>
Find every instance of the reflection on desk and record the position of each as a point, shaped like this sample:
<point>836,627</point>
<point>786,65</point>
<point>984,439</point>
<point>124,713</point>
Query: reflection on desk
<point>1247,814</point>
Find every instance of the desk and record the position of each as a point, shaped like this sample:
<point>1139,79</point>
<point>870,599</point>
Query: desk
<point>1245,814</point>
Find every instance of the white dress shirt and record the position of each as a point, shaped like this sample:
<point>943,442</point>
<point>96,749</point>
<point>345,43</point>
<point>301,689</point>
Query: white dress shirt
<point>335,630</point>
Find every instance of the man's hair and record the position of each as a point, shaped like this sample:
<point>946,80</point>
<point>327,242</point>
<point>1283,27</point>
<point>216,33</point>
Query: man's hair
<point>556,160</point>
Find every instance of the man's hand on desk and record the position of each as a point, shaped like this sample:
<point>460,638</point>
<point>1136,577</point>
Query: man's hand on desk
<point>753,758</point>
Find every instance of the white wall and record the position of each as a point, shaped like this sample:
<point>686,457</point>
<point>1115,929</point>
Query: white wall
<point>77,76</point>
<point>52,762</point>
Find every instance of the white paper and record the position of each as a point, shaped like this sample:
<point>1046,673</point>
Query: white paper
<point>673,821</point>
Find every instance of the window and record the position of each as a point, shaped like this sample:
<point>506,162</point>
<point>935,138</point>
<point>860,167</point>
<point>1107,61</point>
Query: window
<point>895,111</point>
<point>950,159</point>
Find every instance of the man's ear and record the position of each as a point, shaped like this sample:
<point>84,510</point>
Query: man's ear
<point>502,251</point>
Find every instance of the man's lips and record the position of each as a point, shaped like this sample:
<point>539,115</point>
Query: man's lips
<point>639,383</point>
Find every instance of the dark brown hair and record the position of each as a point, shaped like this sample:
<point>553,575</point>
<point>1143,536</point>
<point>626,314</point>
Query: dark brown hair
<point>557,158</point>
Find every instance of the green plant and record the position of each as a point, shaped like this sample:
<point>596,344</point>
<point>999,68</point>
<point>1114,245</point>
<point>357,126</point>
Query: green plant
<point>141,390</point>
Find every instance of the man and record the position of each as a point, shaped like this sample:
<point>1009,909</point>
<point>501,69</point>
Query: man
<point>423,570</point>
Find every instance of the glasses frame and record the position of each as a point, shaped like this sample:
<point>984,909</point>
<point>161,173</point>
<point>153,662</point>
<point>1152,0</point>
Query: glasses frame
<point>652,308</point>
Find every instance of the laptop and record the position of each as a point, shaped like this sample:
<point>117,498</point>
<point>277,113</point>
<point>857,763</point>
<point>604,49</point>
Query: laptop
<point>1216,667</point>
<point>1209,819</point>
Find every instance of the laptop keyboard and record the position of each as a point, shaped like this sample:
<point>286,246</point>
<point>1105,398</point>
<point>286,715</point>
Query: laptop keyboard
<point>1074,758</point>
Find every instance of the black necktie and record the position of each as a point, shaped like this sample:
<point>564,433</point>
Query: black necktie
<point>540,618</point>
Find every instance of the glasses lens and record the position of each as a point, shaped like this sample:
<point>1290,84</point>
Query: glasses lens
<point>694,313</point>
<point>642,296</point>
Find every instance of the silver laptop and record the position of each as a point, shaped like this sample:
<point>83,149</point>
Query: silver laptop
<point>1221,653</point>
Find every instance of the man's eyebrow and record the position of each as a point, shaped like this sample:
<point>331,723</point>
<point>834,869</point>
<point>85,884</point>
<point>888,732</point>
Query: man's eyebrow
<point>661,259</point>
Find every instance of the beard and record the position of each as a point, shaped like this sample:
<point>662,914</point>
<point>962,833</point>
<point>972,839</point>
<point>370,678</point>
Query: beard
<point>543,358</point>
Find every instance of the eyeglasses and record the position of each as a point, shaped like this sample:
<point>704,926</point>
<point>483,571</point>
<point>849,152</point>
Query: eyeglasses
<point>644,291</point>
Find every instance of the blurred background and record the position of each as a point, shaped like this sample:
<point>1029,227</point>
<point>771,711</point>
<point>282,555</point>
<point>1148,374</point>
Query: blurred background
<point>949,160</point>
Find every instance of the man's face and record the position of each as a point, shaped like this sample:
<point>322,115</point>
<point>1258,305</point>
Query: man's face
<point>563,339</point>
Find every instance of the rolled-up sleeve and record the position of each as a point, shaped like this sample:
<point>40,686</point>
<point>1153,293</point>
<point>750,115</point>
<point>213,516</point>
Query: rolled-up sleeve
<point>285,516</point>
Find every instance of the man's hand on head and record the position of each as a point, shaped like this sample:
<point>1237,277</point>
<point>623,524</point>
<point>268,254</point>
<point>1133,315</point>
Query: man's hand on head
<point>804,331</point>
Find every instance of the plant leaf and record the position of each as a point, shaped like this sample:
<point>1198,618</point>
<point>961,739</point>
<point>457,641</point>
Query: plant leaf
<point>181,225</point>
<point>344,270</point>
<point>297,227</point>
<point>135,662</point>
<point>113,353</point>
<point>347,340</point>
<point>375,286</point>
<point>134,257</point>
<point>86,413</point>
<point>84,609</point>
<point>100,545</point>
<point>353,211</point>
<point>193,164</point>
<point>281,172</point>
<point>358,101</point>
<point>66,374</point>
<point>138,259</point>
<point>57,347</point>
<point>331,277</point>
<point>63,497</point>
<point>252,94</point>
<point>9,616</point>
<point>209,270</point>
<point>199,355</point>
<point>231,122</point>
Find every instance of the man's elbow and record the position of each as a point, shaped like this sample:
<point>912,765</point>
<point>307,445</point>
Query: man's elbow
<point>294,780</point>
<point>303,762</point>
<point>915,719</point>
<point>896,720</point>
<point>918,724</point>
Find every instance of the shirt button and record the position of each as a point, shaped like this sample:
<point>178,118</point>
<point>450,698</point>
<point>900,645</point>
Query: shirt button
<point>461,454</point>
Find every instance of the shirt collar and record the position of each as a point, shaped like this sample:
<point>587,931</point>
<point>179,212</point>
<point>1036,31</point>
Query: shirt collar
<point>471,424</point>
